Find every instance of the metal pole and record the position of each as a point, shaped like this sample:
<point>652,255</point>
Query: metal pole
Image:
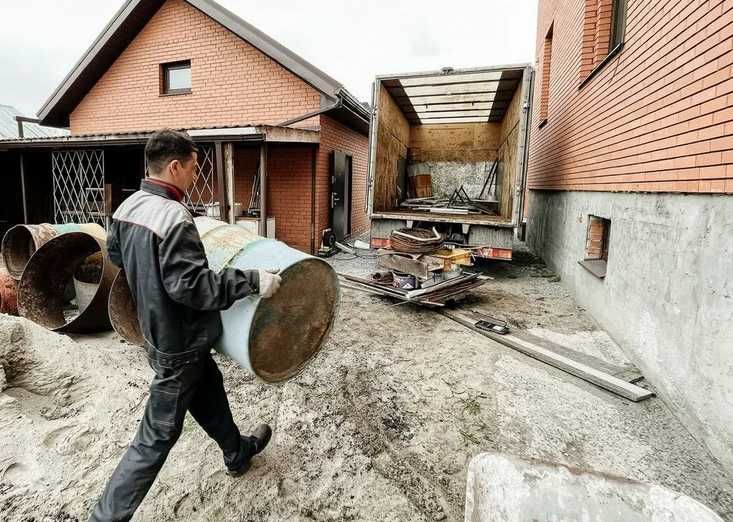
<point>229,177</point>
<point>23,189</point>
<point>263,189</point>
<point>220,185</point>
<point>313,199</point>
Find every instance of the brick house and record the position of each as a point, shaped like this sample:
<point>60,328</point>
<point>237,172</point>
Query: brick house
<point>629,182</point>
<point>258,111</point>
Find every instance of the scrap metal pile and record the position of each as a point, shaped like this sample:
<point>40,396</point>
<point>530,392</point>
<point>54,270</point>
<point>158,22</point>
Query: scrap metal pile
<point>58,276</point>
<point>459,201</point>
<point>419,269</point>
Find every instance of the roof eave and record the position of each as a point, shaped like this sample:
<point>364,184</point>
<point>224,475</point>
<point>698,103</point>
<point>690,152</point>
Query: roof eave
<point>55,111</point>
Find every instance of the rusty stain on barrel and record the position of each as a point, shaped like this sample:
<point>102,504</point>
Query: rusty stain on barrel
<point>289,328</point>
<point>123,311</point>
<point>48,273</point>
<point>20,242</point>
<point>8,294</point>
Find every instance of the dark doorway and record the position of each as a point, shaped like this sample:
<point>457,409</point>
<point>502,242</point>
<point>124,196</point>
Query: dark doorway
<point>341,168</point>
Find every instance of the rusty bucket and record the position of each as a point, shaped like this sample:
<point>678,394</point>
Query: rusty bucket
<point>274,338</point>
<point>48,274</point>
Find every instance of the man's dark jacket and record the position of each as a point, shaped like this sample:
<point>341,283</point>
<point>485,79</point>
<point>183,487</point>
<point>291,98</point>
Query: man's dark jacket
<point>154,239</point>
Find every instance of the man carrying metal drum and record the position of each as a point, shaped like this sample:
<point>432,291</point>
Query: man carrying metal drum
<point>154,239</point>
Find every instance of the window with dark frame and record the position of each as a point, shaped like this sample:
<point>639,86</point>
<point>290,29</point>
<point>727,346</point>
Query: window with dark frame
<point>597,241</point>
<point>603,35</point>
<point>618,24</point>
<point>176,77</point>
<point>546,67</point>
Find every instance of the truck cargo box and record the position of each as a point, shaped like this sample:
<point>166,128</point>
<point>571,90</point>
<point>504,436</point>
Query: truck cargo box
<point>448,149</point>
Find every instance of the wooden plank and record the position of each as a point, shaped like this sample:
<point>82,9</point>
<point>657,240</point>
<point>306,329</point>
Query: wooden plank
<point>220,185</point>
<point>625,373</point>
<point>464,142</point>
<point>392,139</point>
<point>583,371</point>
<point>263,190</point>
<point>229,180</point>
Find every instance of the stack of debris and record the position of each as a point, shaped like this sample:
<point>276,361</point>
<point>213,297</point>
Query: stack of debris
<point>459,201</point>
<point>420,269</point>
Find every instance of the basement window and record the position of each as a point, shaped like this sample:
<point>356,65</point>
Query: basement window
<point>176,77</point>
<point>596,246</point>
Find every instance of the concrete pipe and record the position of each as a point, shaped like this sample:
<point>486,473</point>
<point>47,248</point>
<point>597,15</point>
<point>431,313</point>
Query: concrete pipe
<point>48,274</point>
<point>21,241</point>
<point>8,294</point>
<point>274,338</point>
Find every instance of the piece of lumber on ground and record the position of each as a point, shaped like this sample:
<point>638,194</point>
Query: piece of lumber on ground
<point>628,373</point>
<point>585,372</point>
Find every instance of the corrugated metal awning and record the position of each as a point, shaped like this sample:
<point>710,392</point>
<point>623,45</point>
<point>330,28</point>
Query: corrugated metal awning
<point>268,133</point>
<point>9,126</point>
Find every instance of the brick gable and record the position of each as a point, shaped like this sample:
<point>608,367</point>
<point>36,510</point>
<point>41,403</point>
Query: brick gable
<point>233,83</point>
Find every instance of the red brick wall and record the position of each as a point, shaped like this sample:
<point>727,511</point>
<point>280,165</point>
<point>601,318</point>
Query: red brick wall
<point>657,117</point>
<point>336,136</point>
<point>289,193</point>
<point>288,188</point>
<point>232,82</point>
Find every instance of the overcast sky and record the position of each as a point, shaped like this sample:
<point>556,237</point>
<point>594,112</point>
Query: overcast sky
<point>352,41</point>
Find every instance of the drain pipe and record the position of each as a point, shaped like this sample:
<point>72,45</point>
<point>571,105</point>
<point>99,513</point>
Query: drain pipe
<point>307,115</point>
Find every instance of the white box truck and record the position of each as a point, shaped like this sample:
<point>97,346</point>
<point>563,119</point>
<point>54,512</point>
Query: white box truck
<point>448,149</point>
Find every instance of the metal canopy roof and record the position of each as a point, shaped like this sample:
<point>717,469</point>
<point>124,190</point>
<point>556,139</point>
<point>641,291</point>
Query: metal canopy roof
<point>257,132</point>
<point>455,96</point>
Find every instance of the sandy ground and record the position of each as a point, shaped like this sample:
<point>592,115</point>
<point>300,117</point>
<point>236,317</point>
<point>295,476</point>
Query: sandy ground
<point>380,427</point>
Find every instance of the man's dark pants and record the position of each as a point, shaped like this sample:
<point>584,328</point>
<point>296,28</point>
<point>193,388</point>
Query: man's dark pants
<point>197,388</point>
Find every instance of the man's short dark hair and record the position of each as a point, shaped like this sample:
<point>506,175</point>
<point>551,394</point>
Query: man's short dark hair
<point>165,146</point>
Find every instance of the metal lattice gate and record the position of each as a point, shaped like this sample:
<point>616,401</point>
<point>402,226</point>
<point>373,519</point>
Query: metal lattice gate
<point>202,195</point>
<point>78,186</point>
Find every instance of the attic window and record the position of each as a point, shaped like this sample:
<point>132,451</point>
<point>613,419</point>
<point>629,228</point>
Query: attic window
<point>596,246</point>
<point>176,77</point>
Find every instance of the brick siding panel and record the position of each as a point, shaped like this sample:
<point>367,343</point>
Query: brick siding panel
<point>658,117</point>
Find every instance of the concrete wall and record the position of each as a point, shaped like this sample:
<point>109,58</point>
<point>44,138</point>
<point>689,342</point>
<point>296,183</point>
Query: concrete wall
<point>667,298</point>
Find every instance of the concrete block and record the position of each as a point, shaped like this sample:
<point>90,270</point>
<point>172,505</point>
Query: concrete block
<point>502,488</point>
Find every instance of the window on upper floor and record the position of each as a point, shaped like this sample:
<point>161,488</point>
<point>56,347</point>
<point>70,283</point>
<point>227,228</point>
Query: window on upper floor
<point>603,34</point>
<point>175,77</point>
<point>545,67</point>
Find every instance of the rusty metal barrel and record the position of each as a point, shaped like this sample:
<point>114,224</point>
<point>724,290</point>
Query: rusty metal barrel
<point>274,338</point>
<point>8,294</point>
<point>21,241</point>
<point>43,288</point>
